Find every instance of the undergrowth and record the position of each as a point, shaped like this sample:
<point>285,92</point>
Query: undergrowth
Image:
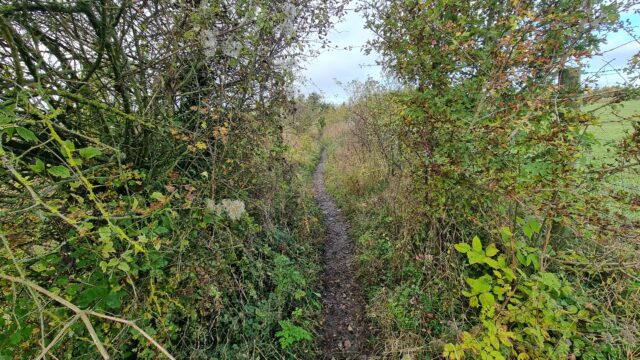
<point>423,297</point>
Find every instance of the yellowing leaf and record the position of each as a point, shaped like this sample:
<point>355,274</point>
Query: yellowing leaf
<point>39,250</point>
<point>107,248</point>
<point>156,242</point>
<point>137,248</point>
<point>39,267</point>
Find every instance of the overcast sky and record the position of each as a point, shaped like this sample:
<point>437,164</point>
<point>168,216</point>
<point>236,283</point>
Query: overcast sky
<point>340,64</point>
<point>346,65</point>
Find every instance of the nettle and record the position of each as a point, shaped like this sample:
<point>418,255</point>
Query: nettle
<point>522,311</point>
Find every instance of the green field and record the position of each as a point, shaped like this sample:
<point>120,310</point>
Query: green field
<point>615,124</point>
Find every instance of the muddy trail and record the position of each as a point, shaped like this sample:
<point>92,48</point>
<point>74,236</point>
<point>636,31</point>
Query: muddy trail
<point>343,335</point>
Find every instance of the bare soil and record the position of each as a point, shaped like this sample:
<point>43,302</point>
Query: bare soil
<point>343,319</point>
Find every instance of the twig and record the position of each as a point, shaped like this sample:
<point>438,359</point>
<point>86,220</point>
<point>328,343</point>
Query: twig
<point>82,314</point>
<point>58,337</point>
<point>137,328</point>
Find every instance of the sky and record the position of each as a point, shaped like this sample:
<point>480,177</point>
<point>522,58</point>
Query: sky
<point>617,51</point>
<point>341,64</point>
<point>345,65</point>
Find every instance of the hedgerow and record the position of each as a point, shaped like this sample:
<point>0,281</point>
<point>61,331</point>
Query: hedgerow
<point>489,127</point>
<point>146,202</point>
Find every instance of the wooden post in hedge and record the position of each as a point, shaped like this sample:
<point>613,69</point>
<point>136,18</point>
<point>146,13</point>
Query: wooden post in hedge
<point>569,81</point>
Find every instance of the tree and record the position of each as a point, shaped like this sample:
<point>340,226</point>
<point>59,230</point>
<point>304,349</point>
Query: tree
<point>485,118</point>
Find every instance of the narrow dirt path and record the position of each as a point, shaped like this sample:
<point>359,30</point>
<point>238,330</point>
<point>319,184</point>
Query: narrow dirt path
<point>343,328</point>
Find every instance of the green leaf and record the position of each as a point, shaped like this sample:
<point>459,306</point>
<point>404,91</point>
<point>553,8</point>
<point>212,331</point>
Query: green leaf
<point>124,266</point>
<point>491,250</point>
<point>527,231</point>
<point>506,234</point>
<point>535,225</point>
<point>476,244</point>
<point>15,338</point>
<point>38,167</point>
<point>487,300</point>
<point>69,145</point>
<point>89,152</point>
<point>550,280</point>
<point>475,257</point>
<point>27,134</point>
<point>10,131</point>
<point>462,247</point>
<point>161,230</point>
<point>473,302</point>
<point>104,232</point>
<point>291,334</point>
<point>114,300</point>
<point>480,285</point>
<point>509,274</point>
<point>59,171</point>
<point>489,261</point>
<point>6,115</point>
<point>157,196</point>
<point>90,295</point>
<point>534,260</point>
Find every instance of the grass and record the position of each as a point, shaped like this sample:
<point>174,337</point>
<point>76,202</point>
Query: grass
<point>616,124</point>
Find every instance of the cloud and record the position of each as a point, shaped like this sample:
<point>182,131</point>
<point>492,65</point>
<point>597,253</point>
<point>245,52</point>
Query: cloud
<point>616,52</point>
<point>341,64</point>
<point>345,65</point>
